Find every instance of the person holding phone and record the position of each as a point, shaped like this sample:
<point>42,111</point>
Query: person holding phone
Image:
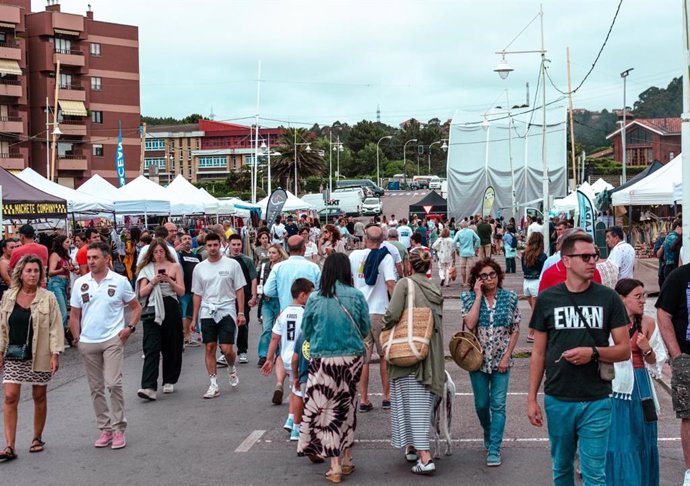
<point>159,284</point>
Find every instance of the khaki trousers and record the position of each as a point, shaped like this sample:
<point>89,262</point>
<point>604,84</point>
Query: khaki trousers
<point>103,363</point>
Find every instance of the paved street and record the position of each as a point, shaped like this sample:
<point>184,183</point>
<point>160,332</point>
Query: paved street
<point>238,438</point>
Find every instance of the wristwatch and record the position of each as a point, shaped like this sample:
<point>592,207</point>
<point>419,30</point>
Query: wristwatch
<point>595,353</point>
<point>131,328</point>
<point>648,352</point>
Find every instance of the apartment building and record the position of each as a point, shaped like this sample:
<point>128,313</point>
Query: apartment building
<point>207,150</point>
<point>97,88</point>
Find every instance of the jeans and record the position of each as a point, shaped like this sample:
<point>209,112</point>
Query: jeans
<point>510,264</point>
<point>270,308</point>
<point>490,392</point>
<point>58,286</point>
<point>583,423</point>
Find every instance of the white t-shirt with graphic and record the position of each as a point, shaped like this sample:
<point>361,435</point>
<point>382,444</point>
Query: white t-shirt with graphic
<point>217,283</point>
<point>288,326</point>
<point>375,295</point>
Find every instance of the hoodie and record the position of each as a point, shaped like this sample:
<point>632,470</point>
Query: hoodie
<point>431,371</point>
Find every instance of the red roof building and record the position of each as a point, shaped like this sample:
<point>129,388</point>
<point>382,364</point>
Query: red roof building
<point>647,139</point>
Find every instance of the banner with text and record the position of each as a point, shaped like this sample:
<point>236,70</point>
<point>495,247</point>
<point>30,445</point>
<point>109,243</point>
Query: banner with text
<point>275,205</point>
<point>488,202</point>
<point>585,218</point>
<point>120,159</point>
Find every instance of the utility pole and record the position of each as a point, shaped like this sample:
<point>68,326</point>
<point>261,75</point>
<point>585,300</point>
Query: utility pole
<point>624,130</point>
<point>143,149</point>
<point>51,177</point>
<point>572,126</point>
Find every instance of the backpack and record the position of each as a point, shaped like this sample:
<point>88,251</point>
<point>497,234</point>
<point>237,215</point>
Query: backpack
<point>513,241</point>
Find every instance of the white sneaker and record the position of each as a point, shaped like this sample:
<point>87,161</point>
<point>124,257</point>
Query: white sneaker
<point>168,388</point>
<point>244,358</point>
<point>222,361</point>
<point>686,482</point>
<point>232,375</point>
<point>212,392</point>
<point>147,394</point>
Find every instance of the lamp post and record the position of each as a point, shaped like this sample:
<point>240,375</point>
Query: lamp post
<point>50,153</point>
<point>337,147</point>
<point>444,147</point>
<point>266,151</point>
<point>624,130</point>
<point>405,157</point>
<point>504,69</point>
<point>378,173</point>
<point>308,150</point>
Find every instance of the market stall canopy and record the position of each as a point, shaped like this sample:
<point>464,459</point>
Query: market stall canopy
<point>76,201</point>
<point>99,187</point>
<point>656,165</point>
<point>21,200</point>
<point>181,188</point>
<point>570,203</point>
<point>293,203</point>
<point>601,185</point>
<point>141,196</point>
<point>431,204</point>
<point>656,188</point>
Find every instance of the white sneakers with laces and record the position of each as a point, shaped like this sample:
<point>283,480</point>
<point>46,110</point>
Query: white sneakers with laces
<point>232,375</point>
<point>213,391</point>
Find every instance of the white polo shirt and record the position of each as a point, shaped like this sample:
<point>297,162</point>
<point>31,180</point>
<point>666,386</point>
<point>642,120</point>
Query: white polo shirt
<point>102,305</point>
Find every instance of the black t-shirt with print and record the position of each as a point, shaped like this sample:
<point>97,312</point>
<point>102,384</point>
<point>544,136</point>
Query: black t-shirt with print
<point>674,298</point>
<point>555,315</point>
<point>188,260</point>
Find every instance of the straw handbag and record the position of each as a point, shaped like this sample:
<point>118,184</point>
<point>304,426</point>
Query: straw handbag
<point>466,350</point>
<point>407,343</point>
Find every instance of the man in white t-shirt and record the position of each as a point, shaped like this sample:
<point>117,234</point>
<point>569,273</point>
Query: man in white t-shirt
<point>97,322</point>
<point>392,223</point>
<point>622,253</point>
<point>375,278</point>
<point>217,283</point>
<point>405,233</point>
<point>395,253</point>
<point>278,232</point>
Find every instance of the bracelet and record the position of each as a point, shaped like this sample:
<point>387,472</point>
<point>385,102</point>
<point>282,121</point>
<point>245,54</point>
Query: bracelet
<point>240,313</point>
<point>647,353</point>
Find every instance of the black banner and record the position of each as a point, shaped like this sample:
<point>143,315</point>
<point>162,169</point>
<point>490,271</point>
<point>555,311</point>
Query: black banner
<point>34,210</point>
<point>275,205</point>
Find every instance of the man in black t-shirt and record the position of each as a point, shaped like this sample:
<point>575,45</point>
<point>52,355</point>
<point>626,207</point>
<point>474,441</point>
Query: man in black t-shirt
<point>291,227</point>
<point>576,401</point>
<point>188,260</point>
<point>672,315</point>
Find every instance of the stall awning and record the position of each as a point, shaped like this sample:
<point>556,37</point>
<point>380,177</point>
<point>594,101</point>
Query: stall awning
<point>73,108</point>
<point>8,66</point>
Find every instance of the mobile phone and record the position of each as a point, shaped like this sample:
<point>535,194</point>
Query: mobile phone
<point>161,271</point>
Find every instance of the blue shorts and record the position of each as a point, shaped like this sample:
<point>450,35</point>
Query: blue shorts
<point>186,306</point>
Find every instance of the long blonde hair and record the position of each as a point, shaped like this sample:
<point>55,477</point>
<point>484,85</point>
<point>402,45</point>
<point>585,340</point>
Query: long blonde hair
<point>282,255</point>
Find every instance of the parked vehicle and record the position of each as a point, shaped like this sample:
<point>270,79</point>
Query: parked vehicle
<point>361,191</point>
<point>372,205</point>
<point>368,183</point>
<point>327,215</point>
<point>435,183</point>
<point>348,202</point>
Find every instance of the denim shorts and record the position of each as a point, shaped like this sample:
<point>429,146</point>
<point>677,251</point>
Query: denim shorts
<point>186,306</point>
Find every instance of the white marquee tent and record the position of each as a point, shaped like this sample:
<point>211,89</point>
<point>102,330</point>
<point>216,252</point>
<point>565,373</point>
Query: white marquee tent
<point>77,202</point>
<point>181,188</point>
<point>293,203</point>
<point>570,203</point>
<point>656,188</point>
<point>99,187</point>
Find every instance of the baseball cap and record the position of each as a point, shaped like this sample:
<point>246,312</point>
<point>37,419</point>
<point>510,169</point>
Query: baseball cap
<point>27,230</point>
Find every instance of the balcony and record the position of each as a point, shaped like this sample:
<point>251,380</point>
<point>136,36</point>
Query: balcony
<point>75,161</point>
<point>72,92</point>
<point>12,161</point>
<point>11,124</point>
<point>69,57</point>
<point>74,128</point>
<point>11,87</point>
<point>10,50</point>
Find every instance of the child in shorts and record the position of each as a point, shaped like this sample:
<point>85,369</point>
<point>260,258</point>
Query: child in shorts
<point>286,331</point>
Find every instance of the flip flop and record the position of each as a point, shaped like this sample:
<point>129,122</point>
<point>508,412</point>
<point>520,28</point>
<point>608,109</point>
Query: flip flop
<point>347,469</point>
<point>36,445</point>
<point>8,454</point>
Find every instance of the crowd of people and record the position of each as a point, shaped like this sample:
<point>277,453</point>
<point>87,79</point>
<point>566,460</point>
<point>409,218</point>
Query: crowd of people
<point>324,294</point>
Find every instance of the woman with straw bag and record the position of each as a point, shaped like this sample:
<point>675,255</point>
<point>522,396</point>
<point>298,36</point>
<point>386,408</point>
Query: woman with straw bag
<point>413,388</point>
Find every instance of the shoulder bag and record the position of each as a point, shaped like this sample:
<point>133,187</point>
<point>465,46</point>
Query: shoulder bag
<point>466,350</point>
<point>352,320</point>
<point>407,343</point>
<point>20,352</point>
<point>607,372</point>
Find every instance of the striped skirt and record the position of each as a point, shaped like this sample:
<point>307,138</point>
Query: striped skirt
<point>411,404</point>
<point>329,419</point>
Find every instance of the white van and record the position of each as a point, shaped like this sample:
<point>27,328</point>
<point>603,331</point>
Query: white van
<point>358,190</point>
<point>348,202</point>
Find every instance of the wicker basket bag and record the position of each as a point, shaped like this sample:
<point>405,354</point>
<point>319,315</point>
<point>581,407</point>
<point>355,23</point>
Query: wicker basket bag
<point>407,343</point>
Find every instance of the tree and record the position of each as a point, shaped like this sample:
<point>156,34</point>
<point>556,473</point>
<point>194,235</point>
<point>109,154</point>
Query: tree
<point>309,161</point>
<point>659,102</point>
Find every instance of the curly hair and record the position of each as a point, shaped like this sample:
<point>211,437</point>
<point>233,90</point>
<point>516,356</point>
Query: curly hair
<point>334,231</point>
<point>486,262</point>
<point>535,247</point>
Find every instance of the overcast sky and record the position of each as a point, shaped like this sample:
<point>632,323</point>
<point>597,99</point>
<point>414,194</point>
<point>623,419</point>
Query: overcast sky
<point>327,60</point>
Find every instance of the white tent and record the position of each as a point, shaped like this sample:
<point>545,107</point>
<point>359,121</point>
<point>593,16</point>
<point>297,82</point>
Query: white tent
<point>656,188</point>
<point>181,188</point>
<point>569,203</point>
<point>77,202</point>
<point>99,187</point>
<point>293,203</point>
<point>601,185</point>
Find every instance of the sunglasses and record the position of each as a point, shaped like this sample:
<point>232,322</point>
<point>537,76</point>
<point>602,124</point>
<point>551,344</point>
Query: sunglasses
<point>586,257</point>
<point>487,276</point>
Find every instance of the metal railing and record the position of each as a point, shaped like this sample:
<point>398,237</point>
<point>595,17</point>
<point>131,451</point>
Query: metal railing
<point>10,119</point>
<point>10,155</point>
<point>11,82</point>
<point>72,156</point>
<point>10,44</point>
<point>76,86</point>
<point>73,52</point>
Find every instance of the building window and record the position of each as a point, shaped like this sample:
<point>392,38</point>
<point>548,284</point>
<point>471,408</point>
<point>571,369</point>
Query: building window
<point>62,46</point>
<point>154,144</point>
<point>216,161</point>
<point>160,162</point>
<point>65,81</point>
<point>639,136</point>
<point>96,83</point>
<point>97,150</point>
<point>95,49</point>
<point>97,117</point>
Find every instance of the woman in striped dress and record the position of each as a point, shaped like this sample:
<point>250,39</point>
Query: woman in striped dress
<point>415,388</point>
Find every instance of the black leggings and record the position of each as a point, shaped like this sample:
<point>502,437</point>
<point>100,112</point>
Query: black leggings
<point>166,339</point>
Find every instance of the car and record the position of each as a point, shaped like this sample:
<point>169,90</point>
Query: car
<point>372,205</point>
<point>327,215</point>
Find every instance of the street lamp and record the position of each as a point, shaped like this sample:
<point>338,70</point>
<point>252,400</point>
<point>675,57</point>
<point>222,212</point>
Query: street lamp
<point>308,150</point>
<point>504,69</point>
<point>337,147</point>
<point>444,147</point>
<point>405,157</point>
<point>624,75</point>
<point>378,174</point>
<point>266,151</point>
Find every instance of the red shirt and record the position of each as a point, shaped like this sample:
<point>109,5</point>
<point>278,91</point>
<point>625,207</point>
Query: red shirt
<point>81,255</point>
<point>29,249</point>
<point>556,274</point>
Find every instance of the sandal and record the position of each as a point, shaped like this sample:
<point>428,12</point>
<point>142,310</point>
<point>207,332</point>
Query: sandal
<point>36,445</point>
<point>347,469</point>
<point>334,477</point>
<point>8,454</point>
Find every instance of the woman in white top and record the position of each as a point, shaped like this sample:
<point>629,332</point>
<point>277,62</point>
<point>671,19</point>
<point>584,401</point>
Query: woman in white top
<point>445,252</point>
<point>311,252</point>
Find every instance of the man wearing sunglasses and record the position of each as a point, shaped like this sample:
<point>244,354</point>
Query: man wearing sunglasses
<point>572,322</point>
